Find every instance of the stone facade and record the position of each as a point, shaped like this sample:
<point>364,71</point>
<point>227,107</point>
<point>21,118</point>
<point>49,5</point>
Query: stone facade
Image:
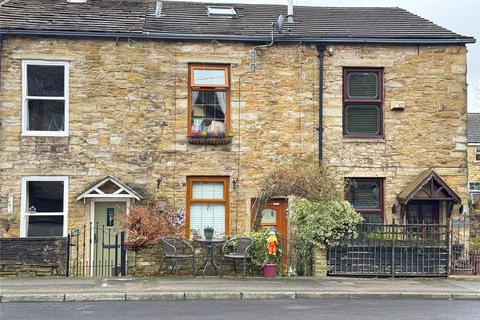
<point>473,171</point>
<point>473,164</point>
<point>429,134</point>
<point>128,118</point>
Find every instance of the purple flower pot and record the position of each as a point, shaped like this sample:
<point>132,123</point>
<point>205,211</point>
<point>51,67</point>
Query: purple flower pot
<point>270,270</point>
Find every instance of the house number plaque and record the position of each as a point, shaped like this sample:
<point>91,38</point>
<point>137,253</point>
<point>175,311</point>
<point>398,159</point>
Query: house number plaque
<point>110,214</point>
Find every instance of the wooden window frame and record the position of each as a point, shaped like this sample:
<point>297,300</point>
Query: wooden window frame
<point>477,153</point>
<point>226,87</point>
<point>381,182</point>
<point>347,101</point>
<point>26,98</point>
<point>225,200</point>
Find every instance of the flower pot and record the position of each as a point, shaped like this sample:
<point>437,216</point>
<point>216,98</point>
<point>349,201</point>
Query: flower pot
<point>270,270</point>
<point>208,233</point>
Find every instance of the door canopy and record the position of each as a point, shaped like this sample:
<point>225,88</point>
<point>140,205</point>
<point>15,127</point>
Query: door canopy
<point>109,187</point>
<point>428,186</point>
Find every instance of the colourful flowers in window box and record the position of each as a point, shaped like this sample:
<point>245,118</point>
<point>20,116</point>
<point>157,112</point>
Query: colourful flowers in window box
<point>214,137</point>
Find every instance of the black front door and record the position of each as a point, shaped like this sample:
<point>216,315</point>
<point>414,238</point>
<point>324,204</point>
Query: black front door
<point>422,212</point>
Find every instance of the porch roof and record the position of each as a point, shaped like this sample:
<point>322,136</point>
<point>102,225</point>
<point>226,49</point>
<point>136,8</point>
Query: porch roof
<point>442,192</point>
<point>121,191</point>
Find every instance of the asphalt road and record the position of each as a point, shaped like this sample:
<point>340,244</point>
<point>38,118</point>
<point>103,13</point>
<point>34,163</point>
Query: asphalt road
<point>246,310</point>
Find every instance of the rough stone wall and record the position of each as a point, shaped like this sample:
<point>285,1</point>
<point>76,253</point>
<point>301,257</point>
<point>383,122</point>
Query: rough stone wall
<point>429,133</point>
<point>473,164</point>
<point>128,117</point>
<point>473,172</point>
<point>32,257</point>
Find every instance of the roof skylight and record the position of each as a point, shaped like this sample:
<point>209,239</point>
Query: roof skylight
<point>221,11</point>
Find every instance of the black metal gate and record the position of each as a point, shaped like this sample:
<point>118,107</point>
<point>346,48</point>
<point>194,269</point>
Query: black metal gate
<point>97,251</point>
<point>392,250</point>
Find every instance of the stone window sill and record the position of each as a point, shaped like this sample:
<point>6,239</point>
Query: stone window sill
<point>363,140</point>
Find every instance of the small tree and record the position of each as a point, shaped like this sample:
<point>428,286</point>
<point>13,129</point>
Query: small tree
<point>303,178</point>
<point>145,226</point>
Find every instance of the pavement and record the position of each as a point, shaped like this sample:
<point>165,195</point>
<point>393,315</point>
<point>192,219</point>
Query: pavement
<point>213,288</point>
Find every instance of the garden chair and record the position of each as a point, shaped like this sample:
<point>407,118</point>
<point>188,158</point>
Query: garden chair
<point>176,250</point>
<point>237,249</point>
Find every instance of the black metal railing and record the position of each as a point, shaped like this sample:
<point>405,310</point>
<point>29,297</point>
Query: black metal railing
<point>392,250</point>
<point>96,251</point>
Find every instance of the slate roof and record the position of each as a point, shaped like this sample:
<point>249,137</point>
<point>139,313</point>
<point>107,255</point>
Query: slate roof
<point>189,20</point>
<point>473,129</point>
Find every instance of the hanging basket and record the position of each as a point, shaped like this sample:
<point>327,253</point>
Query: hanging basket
<point>209,140</point>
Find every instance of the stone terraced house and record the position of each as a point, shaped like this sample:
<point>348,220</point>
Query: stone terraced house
<point>473,154</point>
<point>107,103</point>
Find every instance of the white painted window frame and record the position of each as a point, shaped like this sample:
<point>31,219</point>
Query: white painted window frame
<point>25,98</point>
<point>24,214</point>
<point>473,190</point>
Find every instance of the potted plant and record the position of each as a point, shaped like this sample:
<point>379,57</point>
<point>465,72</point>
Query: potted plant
<point>208,232</point>
<point>270,268</point>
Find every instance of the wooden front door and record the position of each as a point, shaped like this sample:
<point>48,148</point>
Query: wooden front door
<point>423,212</point>
<point>274,214</point>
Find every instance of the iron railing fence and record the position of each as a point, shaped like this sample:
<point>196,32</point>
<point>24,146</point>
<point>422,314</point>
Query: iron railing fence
<point>96,251</point>
<point>392,250</point>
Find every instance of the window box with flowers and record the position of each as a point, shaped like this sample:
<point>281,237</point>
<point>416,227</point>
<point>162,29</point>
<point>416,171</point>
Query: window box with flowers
<point>209,137</point>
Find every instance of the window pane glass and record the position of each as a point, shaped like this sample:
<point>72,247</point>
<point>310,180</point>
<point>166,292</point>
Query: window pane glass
<point>364,194</point>
<point>42,226</point>
<point>45,196</point>
<point>362,85</point>
<point>372,217</point>
<point>45,81</point>
<point>412,214</point>
<point>207,190</point>
<point>223,11</point>
<point>209,111</point>
<point>474,186</point>
<point>269,216</point>
<point>363,120</point>
<point>207,215</point>
<point>477,153</point>
<point>208,77</point>
<point>46,115</point>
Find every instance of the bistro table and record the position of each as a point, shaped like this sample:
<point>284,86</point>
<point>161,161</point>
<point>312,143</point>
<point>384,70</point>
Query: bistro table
<point>210,246</point>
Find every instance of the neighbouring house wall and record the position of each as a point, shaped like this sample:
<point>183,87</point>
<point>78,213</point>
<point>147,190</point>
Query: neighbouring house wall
<point>473,170</point>
<point>31,257</point>
<point>429,133</point>
<point>128,118</point>
<point>473,164</point>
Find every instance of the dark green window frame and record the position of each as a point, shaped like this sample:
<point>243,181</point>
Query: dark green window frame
<point>363,111</point>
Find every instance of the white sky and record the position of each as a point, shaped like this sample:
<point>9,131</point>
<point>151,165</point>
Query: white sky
<point>460,16</point>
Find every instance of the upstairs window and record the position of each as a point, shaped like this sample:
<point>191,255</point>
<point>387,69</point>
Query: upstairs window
<point>209,100</point>
<point>45,98</point>
<point>366,197</point>
<point>477,153</point>
<point>363,102</point>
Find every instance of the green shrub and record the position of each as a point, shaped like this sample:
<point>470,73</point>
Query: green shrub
<point>325,223</point>
<point>258,250</point>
